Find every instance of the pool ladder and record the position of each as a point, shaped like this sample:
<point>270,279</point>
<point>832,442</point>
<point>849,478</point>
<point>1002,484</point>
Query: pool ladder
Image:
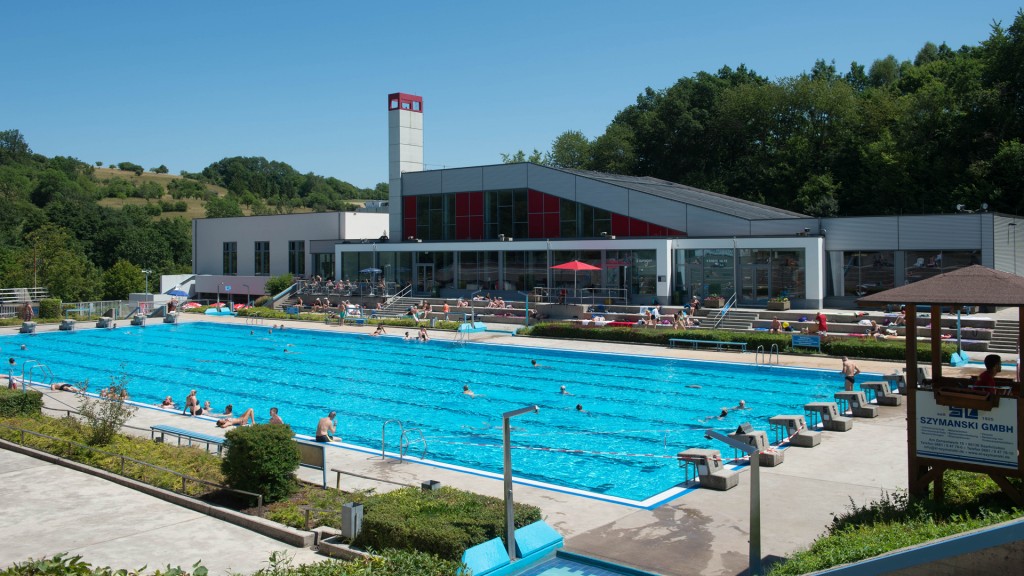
<point>254,321</point>
<point>762,357</point>
<point>31,367</point>
<point>403,439</point>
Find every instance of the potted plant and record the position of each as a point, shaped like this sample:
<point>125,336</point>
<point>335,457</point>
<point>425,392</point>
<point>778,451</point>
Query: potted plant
<point>714,301</point>
<point>778,303</point>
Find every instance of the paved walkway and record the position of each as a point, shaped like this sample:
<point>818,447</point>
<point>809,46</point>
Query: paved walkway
<point>704,532</point>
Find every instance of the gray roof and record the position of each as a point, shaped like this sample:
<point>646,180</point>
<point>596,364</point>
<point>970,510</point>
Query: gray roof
<point>689,195</point>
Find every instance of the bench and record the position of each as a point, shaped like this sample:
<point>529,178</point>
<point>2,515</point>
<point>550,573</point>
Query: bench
<point>217,441</point>
<point>719,345</point>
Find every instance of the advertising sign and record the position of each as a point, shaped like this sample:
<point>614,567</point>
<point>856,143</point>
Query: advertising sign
<point>987,437</point>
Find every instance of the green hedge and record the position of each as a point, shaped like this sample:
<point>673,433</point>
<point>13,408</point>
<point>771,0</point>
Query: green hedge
<point>444,522</point>
<point>50,308</point>
<point>835,346</point>
<point>18,403</point>
<point>262,459</point>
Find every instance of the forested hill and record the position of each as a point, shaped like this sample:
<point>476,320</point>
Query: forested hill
<point>86,232</point>
<point>893,137</point>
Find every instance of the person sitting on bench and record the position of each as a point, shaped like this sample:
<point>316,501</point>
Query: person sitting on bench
<point>242,420</point>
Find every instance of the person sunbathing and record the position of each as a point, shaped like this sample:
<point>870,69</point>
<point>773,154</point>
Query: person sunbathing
<point>242,420</point>
<point>63,386</point>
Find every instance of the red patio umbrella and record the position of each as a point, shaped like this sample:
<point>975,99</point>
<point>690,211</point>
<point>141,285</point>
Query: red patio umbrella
<point>575,266</point>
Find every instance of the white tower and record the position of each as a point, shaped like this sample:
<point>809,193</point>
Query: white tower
<point>405,152</point>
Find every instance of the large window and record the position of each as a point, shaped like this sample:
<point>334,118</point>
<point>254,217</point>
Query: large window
<point>708,272</point>
<point>262,262</point>
<point>297,257</point>
<point>925,264</point>
<point>867,272</point>
<point>506,213</point>
<point>231,258</point>
<point>478,271</point>
<point>526,270</point>
<point>435,214</point>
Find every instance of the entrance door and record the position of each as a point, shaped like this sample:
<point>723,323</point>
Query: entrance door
<point>425,277</point>
<point>755,284</point>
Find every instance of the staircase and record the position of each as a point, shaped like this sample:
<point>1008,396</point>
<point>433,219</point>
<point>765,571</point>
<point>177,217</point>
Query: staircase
<point>399,304</point>
<point>742,320</point>
<point>1004,337</point>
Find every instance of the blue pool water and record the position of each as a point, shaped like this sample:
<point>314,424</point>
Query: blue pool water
<point>640,411</point>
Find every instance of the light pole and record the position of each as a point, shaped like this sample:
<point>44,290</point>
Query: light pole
<point>248,295</point>
<point>219,284</point>
<point>527,295</point>
<point>510,528</point>
<point>755,496</point>
<point>147,271</point>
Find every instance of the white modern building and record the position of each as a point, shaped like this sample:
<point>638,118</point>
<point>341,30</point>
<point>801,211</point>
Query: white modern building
<point>502,228</point>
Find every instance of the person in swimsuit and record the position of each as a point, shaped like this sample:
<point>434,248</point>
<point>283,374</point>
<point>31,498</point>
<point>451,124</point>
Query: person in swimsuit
<point>246,417</point>
<point>849,371</point>
<point>326,427</point>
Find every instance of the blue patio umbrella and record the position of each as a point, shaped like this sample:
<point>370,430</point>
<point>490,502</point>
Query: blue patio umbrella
<point>370,271</point>
<point>177,292</point>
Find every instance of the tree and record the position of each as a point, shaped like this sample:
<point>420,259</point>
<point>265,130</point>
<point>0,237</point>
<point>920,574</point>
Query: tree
<point>54,258</point>
<point>536,157</point>
<point>122,279</point>
<point>13,148</point>
<point>99,163</point>
<point>161,169</point>
<point>131,167</point>
<point>571,149</point>
<point>817,197</point>
<point>222,207</point>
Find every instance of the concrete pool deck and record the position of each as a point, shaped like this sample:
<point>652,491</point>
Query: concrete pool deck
<point>704,532</point>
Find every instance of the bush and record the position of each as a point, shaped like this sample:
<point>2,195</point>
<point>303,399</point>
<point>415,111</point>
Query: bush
<point>63,565</point>
<point>105,415</point>
<point>262,459</point>
<point>841,346</point>
<point>279,284</point>
<point>444,522</point>
<point>882,350</point>
<point>49,308</point>
<point>18,403</point>
<point>261,300</point>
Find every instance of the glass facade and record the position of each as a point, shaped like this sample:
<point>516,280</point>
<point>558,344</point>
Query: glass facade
<point>297,257</point>
<point>868,272</point>
<point>261,265</point>
<point>230,251</point>
<point>323,264</point>
<point>515,213</point>
<point>921,265</point>
<point>759,274</point>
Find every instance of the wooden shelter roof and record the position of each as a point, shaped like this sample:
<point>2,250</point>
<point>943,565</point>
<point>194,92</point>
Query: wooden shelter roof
<point>973,285</point>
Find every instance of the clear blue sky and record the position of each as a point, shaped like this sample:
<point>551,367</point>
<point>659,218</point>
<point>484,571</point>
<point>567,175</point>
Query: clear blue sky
<point>188,83</point>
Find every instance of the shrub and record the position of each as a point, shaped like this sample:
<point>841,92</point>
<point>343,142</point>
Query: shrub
<point>18,403</point>
<point>261,300</point>
<point>882,350</point>
<point>278,284</point>
<point>262,459</point>
<point>63,565</point>
<point>388,562</point>
<point>104,416</point>
<point>49,308</point>
<point>444,522</point>
<point>841,346</point>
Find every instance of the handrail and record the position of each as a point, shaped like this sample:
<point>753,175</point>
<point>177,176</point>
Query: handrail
<point>774,350</point>
<point>184,477</point>
<point>383,432</point>
<point>284,293</point>
<point>725,310</point>
<point>405,443</point>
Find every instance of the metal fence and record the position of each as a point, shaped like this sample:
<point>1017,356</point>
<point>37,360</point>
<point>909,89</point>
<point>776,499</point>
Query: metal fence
<point>141,466</point>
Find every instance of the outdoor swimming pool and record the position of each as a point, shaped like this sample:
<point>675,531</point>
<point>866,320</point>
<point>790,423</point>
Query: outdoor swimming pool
<point>640,411</point>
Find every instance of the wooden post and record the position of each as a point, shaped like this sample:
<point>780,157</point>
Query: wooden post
<point>936,338</point>
<point>910,377</point>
